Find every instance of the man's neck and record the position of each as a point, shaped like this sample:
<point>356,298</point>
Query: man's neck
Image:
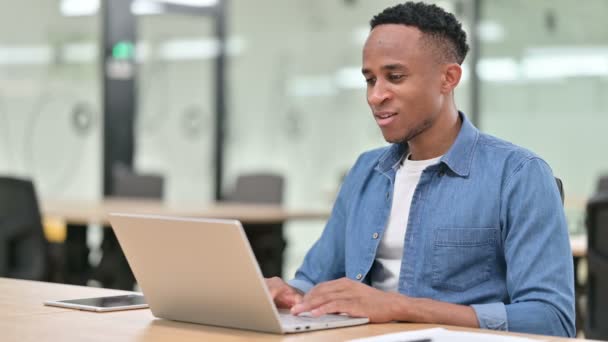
<point>437,139</point>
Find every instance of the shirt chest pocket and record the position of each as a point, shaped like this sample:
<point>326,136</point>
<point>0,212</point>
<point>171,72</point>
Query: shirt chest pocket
<point>462,257</point>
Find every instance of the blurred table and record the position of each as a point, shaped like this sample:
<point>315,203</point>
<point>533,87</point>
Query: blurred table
<point>578,243</point>
<point>85,212</point>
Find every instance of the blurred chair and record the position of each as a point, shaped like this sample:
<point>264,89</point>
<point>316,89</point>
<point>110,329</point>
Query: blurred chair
<point>126,183</point>
<point>113,270</point>
<point>260,188</point>
<point>579,288</point>
<point>597,256</point>
<point>23,248</point>
<point>602,184</point>
<point>560,187</point>
<point>266,240</point>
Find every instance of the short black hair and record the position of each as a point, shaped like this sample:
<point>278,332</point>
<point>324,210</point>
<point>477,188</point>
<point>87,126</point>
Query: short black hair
<point>440,26</point>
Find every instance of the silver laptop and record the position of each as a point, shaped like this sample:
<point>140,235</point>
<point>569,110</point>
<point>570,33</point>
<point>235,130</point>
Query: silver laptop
<point>204,271</point>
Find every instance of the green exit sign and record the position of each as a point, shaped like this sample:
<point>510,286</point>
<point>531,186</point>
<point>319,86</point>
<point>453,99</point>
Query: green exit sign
<point>123,50</point>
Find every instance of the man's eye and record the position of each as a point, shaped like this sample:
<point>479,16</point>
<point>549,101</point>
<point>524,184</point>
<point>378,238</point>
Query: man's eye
<point>370,80</point>
<point>395,77</point>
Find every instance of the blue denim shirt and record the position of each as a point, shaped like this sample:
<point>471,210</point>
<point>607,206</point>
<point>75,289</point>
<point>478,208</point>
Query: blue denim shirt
<point>486,228</point>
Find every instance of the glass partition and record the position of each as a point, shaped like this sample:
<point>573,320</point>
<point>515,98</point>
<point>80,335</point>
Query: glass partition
<point>175,111</point>
<point>544,87</point>
<point>50,111</point>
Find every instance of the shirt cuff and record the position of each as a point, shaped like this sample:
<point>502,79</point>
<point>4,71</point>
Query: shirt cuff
<point>301,285</point>
<point>491,316</point>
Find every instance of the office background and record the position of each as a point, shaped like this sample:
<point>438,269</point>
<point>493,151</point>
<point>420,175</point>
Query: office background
<point>295,97</point>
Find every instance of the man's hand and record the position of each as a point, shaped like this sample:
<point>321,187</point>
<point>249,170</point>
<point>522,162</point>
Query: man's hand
<point>284,296</point>
<point>353,298</point>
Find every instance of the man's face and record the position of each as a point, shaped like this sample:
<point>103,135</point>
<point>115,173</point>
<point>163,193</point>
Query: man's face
<point>403,81</point>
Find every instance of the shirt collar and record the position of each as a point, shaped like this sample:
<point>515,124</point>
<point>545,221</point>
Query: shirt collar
<point>458,158</point>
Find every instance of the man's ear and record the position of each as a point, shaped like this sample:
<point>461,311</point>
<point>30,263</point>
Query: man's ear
<point>452,73</point>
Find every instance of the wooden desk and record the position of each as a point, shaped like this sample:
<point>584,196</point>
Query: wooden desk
<point>22,298</point>
<point>578,243</point>
<point>24,318</point>
<point>85,212</point>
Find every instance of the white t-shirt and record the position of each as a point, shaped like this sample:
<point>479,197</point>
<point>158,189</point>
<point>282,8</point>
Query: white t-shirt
<point>385,272</point>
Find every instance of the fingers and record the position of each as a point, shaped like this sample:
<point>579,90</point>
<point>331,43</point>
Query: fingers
<point>313,303</point>
<point>328,288</point>
<point>283,295</point>
<point>337,285</point>
<point>346,306</point>
<point>275,286</point>
<point>295,298</point>
<point>333,291</point>
<point>340,291</point>
<point>325,293</point>
<point>288,299</point>
<point>336,307</point>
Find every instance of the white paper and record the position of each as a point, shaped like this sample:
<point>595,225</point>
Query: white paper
<point>443,335</point>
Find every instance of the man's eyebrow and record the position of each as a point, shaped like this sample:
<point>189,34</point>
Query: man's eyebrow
<point>389,67</point>
<point>395,66</point>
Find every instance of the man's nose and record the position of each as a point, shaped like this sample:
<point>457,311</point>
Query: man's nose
<point>377,95</point>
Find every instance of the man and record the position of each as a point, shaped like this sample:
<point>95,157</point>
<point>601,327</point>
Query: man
<point>447,225</point>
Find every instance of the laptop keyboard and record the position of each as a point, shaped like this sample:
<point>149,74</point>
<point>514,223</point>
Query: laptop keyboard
<point>290,320</point>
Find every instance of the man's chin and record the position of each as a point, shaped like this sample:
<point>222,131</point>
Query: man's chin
<point>391,139</point>
<point>401,138</point>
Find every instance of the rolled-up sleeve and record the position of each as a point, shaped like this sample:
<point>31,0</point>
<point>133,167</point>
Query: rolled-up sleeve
<point>492,316</point>
<point>301,284</point>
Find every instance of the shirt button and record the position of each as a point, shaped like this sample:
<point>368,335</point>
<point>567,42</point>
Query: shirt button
<point>375,236</point>
<point>388,196</point>
<point>359,276</point>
